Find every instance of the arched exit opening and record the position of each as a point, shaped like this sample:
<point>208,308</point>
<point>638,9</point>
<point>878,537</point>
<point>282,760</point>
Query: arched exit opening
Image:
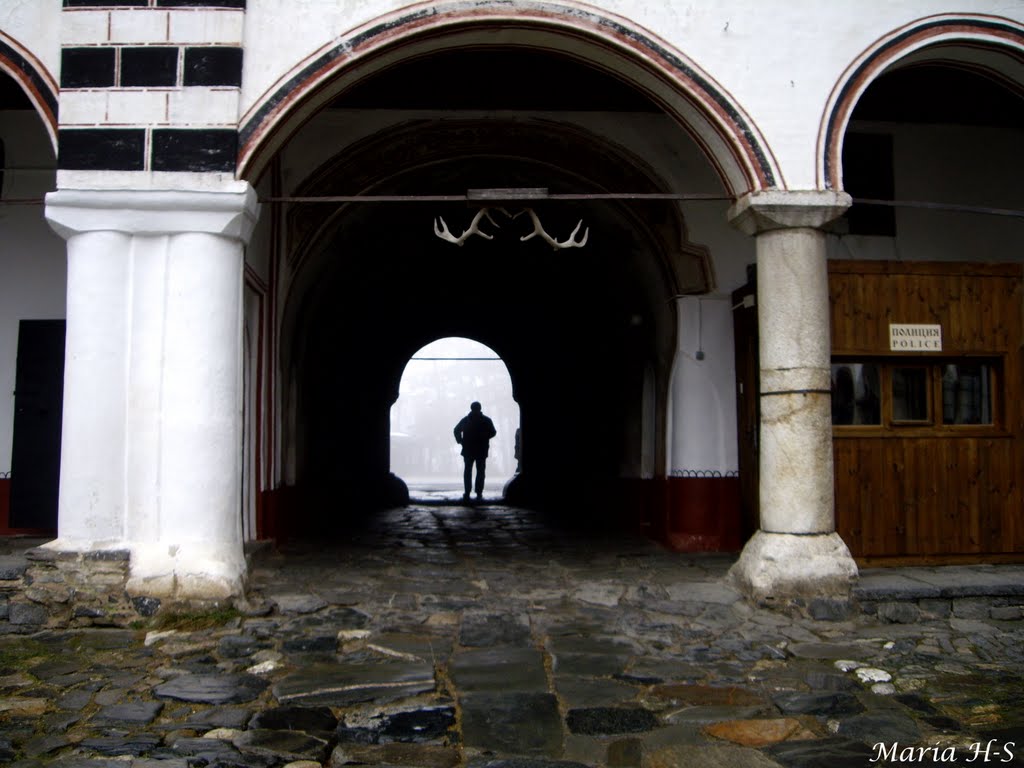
<point>438,384</point>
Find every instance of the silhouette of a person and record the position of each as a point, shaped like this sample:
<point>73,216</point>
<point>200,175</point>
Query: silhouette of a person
<point>474,432</point>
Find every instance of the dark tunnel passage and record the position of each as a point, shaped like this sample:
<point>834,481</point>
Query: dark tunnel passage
<point>587,333</point>
<point>576,339</point>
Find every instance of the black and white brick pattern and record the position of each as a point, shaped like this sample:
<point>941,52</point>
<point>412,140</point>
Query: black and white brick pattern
<point>150,85</point>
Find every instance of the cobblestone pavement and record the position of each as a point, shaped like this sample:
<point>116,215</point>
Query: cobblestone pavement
<point>449,636</point>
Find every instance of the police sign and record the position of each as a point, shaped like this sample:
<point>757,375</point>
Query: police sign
<point>907,337</point>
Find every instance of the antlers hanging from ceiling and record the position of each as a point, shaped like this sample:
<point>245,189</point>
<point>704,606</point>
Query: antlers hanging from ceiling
<point>570,242</point>
<point>443,232</point>
<point>474,228</point>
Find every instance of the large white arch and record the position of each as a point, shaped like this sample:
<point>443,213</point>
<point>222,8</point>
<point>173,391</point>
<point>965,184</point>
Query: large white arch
<point>35,80</point>
<point>615,45</point>
<point>901,45</point>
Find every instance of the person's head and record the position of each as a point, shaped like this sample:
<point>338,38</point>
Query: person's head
<point>475,407</point>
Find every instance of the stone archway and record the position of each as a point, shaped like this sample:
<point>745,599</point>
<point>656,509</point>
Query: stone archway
<point>648,262</point>
<point>585,331</point>
<point>613,45</point>
<point>984,44</point>
<point>32,78</point>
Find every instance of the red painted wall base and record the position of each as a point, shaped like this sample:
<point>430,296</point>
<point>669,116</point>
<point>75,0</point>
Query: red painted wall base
<point>688,514</point>
<point>5,515</point>
<point>276,507</point>
<point>704,514</point>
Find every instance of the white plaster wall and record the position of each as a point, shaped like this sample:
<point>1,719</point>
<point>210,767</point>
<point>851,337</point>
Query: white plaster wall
<point>258,251</point>
<point>780,61</point>
<point>702,433</point>
<point>980,167</point>
<point>33,267</point>
<point>731,250</point>
<point>953,165</point>
<point>34,25</point>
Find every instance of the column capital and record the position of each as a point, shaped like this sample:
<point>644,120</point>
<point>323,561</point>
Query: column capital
<point>230,214</point>
<point>772,209</point>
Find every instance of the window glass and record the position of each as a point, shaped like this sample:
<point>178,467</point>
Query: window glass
<point>855,394</point>
<point>966,394</point>
<point>910,394</point>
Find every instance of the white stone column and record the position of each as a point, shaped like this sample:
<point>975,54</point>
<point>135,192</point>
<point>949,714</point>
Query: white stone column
<point>91,507</point>
<point>151,453</point>
<point>797,552</point>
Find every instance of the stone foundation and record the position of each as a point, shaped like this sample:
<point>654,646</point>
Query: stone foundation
<point>49,589</point>
<point>46,589</point>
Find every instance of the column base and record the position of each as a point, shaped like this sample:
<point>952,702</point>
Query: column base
<point>187,572</point>
<point>785,569</point>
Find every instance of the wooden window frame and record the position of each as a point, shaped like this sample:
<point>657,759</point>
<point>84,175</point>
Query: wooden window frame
<point>994,390</point>
<point>935,427</point>
<point>888,375</point>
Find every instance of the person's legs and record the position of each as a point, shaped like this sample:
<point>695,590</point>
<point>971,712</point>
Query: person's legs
<point>467,476</point>
<point>481,468</point>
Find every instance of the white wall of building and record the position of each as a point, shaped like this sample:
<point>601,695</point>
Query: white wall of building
<point>702,434</point>
<point>953,165</point>
<point>32,258</point>
<point>34,26</point>
<point>779,61</point>
<point>747,47</point>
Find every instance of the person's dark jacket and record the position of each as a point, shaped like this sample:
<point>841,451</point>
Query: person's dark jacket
<point>474,433</point>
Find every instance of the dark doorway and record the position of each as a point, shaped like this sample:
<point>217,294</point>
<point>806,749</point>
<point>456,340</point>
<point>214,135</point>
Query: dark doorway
<point>38,400</point>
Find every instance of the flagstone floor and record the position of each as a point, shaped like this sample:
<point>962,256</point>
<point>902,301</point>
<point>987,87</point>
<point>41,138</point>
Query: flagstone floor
<point>447,636</point>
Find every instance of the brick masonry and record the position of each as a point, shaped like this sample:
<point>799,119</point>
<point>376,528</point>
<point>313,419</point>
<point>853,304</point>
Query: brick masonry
<point>110,149</point>
<point>150,85</point>
<point>189,150</point>
<point>150,67</point>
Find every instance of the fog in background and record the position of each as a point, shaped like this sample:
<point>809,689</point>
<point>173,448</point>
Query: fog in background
<point>433,395</point>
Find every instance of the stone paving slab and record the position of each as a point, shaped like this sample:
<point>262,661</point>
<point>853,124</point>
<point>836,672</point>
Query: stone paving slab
<point>352,682</point>
<point>966,581</point>
<point>883,585</point>
<point>512,722</point>
<point>483,638</point>
<point>499,670</point>
<point>915,583</point>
